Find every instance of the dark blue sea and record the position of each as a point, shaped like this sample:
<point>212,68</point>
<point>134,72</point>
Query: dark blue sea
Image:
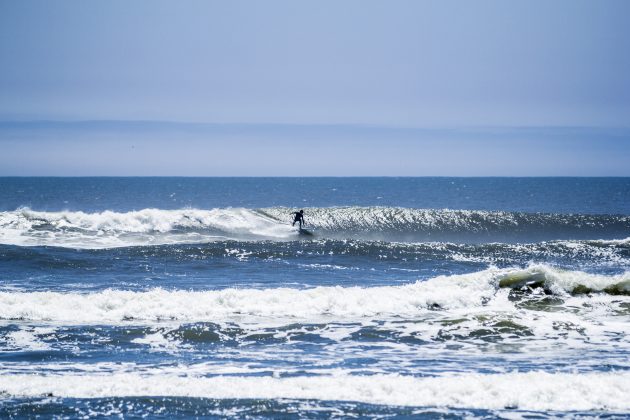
<point>406,297</point>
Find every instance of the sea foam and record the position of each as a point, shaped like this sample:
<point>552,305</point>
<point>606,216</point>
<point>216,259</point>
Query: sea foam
<point>108,229</point>
<point>487,288</point>
<point>525,391</point>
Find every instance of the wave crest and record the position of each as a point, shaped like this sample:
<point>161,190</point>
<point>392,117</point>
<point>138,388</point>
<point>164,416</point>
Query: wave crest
<point>155,226</point>
<point>136,228</point>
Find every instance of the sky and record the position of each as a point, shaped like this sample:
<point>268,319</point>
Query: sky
<point>316,88</point>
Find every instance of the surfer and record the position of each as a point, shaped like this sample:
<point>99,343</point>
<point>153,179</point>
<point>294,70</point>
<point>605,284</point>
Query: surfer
<point>298,217</point>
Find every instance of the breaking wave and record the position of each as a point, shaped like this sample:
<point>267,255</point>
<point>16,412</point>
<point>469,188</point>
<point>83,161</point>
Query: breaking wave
<point>488,288</point>
<point>109,229</point>
<point>525,391</point>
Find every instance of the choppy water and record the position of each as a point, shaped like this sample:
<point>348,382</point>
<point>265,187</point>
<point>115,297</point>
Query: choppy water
<point>192,297</point>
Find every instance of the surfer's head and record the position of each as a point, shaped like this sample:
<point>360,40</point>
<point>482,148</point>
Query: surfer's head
<point>301,211</point>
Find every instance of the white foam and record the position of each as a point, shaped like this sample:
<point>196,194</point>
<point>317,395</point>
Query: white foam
<point>109,229</point>
<point>526,391</point>
<point>467,291</point>
<point>625,241</point>
<point>159,342</point>
<point>27,339</point>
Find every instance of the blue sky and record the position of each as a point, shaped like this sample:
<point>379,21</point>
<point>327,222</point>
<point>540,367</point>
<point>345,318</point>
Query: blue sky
<point>469,81</point>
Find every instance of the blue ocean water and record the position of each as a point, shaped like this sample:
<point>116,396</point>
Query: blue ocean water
<point>434,297</point>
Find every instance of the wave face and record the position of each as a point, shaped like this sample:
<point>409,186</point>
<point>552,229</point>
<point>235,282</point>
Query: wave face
<point>109,229</point>
<point>389,223</point>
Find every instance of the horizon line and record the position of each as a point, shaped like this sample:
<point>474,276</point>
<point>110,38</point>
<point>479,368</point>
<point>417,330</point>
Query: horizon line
<point>24,122</point>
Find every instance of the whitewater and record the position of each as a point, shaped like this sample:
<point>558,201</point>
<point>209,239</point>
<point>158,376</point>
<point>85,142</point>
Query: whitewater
<point>414,297</point>
<point>108,229</point>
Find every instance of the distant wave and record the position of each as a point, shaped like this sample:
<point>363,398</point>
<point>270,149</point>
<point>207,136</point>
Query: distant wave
<point>108,229</point>
<point>474,290</point>
<point>525,391</point>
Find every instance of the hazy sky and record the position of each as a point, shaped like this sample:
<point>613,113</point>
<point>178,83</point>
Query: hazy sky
<point>396,64</point>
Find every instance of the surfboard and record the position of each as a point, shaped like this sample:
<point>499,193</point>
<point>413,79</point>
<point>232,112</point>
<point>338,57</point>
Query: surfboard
<point>305,232</point>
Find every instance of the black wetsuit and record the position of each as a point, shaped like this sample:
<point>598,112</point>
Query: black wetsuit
<point>299,217</point>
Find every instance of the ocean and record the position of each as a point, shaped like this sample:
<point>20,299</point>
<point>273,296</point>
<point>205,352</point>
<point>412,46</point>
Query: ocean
<point>414,297</point>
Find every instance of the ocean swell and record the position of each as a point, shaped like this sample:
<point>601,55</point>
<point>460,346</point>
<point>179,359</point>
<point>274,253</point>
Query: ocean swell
<point>109,229</point>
